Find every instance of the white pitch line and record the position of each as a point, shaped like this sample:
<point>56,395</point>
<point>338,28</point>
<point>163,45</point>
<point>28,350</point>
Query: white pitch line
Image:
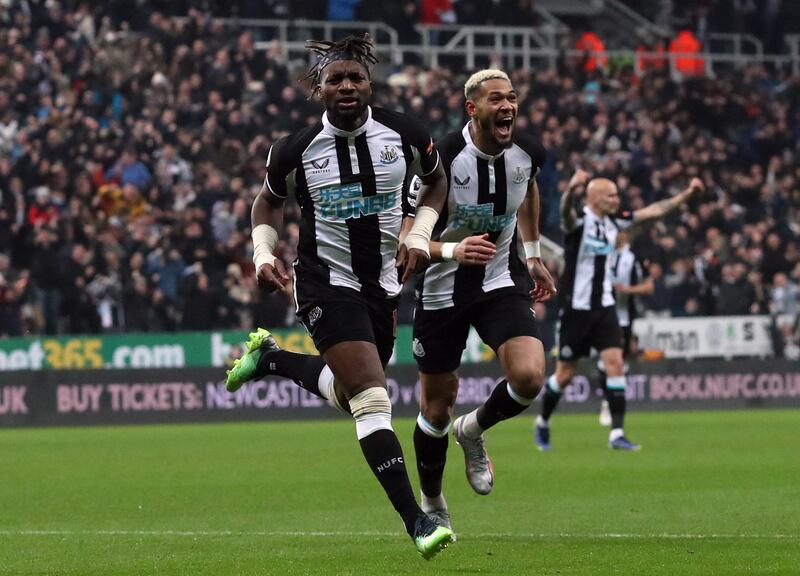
<point>330,534</point>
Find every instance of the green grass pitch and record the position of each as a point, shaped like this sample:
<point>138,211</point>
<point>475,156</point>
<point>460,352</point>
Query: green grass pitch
<point>710,493</point>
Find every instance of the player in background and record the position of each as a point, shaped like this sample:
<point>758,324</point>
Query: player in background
<point>629,279</point>
<point>349,173</point>
<point>478,278</point>
<point>587,309</point>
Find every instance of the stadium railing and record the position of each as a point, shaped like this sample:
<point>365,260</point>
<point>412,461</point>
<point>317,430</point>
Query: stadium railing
<point>510,46</point>
<point>793,41</point>
<point>293,34</point>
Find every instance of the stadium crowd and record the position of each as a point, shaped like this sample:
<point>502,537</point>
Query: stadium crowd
<point>130,155</point>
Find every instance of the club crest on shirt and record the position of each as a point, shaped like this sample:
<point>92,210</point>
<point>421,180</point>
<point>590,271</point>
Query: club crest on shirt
<point>389,154</point>
<point>314,315</point>
<point>320,164</point>
<point>460,182</point>
<point>519,175</point>
<point>413,191</point>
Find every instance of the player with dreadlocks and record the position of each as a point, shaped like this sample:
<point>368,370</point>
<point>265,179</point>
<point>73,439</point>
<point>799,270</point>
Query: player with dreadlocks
<point>350,175</point>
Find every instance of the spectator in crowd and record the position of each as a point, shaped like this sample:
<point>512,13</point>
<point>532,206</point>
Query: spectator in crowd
<point>201,301</point>
<point>12,213</point>
<point>43,210</point>
<point>658,302</point>
<point>13,292</point>
<point>680,285</point>
<point>785,296</point>
<point>774,259</point>
<point>78,272</point>
<point>681,50</point>
<point>46,265</point>
<point>437,12</point>
<point>735,295</point>
<point>128,171</point>
<point>137,305</point>
<point>760,303</point>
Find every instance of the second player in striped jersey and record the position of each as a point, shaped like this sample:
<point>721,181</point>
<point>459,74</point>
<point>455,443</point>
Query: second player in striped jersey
<point>478,278</point>
<point>587,312</point>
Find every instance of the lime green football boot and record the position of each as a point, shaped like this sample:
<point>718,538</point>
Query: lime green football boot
<point>430,538</point>
<point>246,368</point>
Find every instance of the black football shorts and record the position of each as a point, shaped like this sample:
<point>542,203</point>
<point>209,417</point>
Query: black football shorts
<point>582,330</point>
<point>440,336</point>
<point>335,314</point>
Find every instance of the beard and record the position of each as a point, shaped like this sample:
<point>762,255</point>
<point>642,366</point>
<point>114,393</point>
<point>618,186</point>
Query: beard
<point>346,114</point>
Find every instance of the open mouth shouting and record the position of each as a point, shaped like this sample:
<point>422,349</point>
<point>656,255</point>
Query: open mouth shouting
<point>503,126</point>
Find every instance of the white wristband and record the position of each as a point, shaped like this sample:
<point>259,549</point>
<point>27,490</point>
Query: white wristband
<point>532,249</point>
<point>419,236</point>
<point>265,239</point>
<point>448,251</point>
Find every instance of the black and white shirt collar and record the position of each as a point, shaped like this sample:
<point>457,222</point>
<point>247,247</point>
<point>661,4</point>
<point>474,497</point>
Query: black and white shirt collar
<point>474,149</point>
<point>330,128</point>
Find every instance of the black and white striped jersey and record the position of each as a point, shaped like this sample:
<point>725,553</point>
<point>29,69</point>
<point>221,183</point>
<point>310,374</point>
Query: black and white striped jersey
<point>587,280</point>
<point>352,191</point>
<point>628,271</point>
<point>484,193</point>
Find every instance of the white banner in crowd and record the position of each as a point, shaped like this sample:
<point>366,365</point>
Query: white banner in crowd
<point>706,337</point>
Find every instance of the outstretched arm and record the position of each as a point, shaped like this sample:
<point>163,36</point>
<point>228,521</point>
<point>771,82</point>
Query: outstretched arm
<point>663,207</point>
<point>569,214</point>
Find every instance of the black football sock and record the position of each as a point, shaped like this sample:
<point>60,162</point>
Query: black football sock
<point>503,403</point>
<point>385,457</point>
<point>602,378</point>
<point>552,394</point>
<point>304,369</point>
<point>615,394</point>
<point>430,445</point>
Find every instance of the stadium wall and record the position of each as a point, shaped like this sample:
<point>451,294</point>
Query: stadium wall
<point>133,396</point>
<point>716,336</point>
<point>174,350</point>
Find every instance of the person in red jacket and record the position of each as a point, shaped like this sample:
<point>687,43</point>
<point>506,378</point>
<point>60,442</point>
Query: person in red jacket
<point>42,211</point>
<point>682,48</point>
<point>595,51</point>
<point>437,12</point>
